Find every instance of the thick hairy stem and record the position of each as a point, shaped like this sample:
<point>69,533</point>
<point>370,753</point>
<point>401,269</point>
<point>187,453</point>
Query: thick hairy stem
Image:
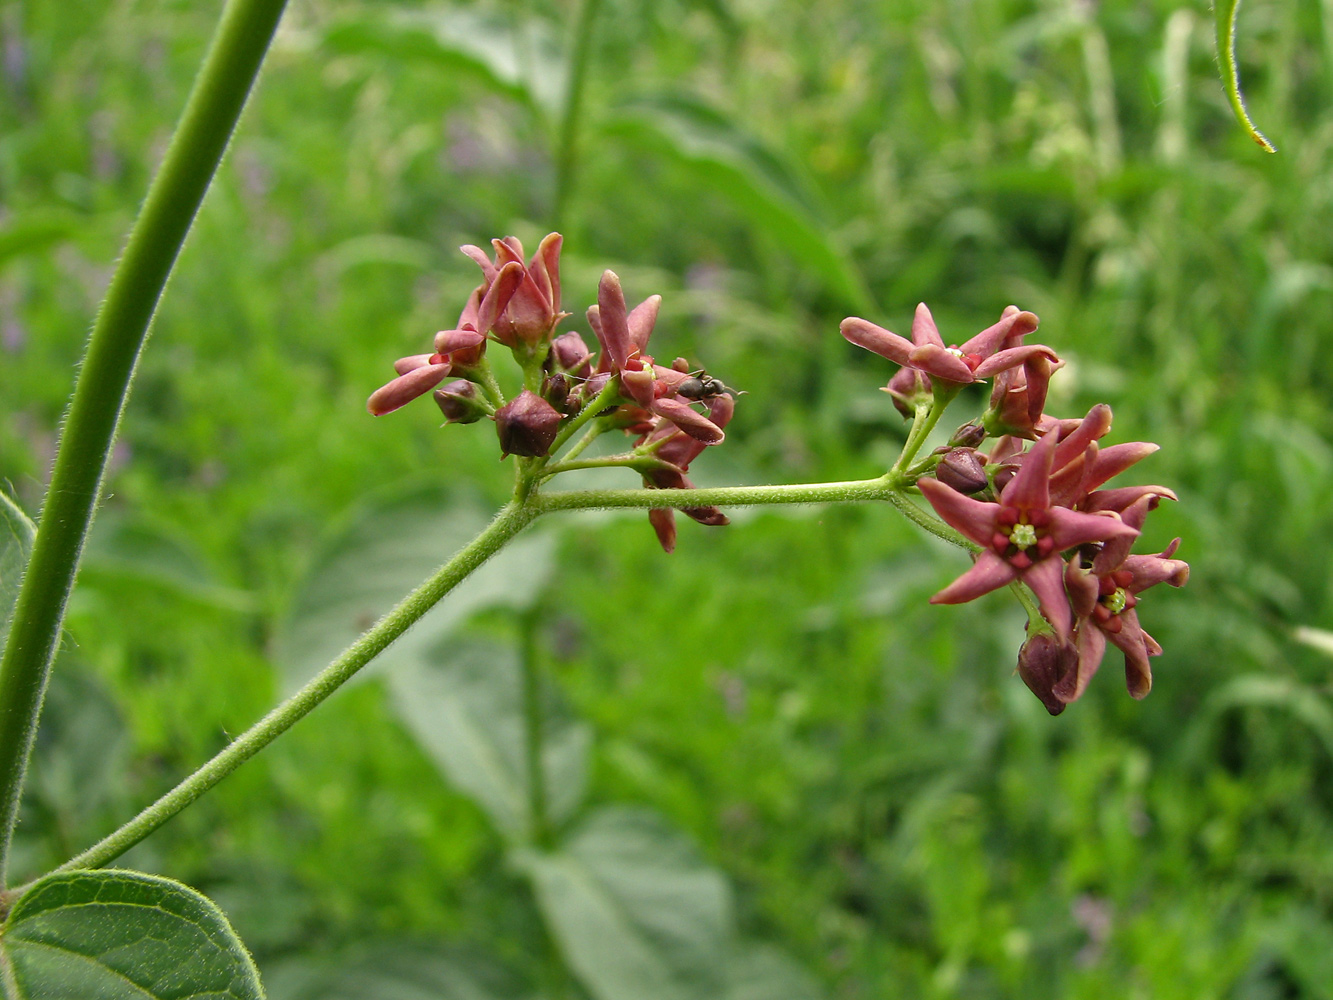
<point>211,112</point>
<point>509,522</point>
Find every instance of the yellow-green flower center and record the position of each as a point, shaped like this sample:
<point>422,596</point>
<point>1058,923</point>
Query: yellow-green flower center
<point>1023,536</point>
<point>1115,603</point>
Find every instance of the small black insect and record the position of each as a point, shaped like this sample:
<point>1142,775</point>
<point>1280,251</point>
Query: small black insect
<point>701,386</point>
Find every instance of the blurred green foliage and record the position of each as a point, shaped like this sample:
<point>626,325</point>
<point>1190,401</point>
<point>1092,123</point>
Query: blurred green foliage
<point>890,805</point>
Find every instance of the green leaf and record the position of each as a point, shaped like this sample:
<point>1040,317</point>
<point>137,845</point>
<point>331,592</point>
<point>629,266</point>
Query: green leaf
<point>762,972</point>
<point>638,915</point>
<point>122,553</point>
<point>80,753</point>
<point>768,191</point>
<point>16,535</point>
<point>390,971</point>
<point>1257,690</point>
<point>1225,13</point>
<point>464,704</point>
<point>517,57</point>
<point>121,935</point>
<point>389,549</point>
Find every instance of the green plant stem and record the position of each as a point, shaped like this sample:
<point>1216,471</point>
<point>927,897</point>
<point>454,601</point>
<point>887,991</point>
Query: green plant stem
<point>512,519</point>
<point>610,392</point>
<point>534,725</point>
<point>721,496</point>
<point>566,157</point>
<point>928,522</point>
<point>923,422</point>
<point>214,105</point>
<point>627,459</point>
<point>577,449</point>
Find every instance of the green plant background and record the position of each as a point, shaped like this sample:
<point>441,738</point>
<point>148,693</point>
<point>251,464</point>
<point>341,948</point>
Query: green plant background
<point>892,810</point>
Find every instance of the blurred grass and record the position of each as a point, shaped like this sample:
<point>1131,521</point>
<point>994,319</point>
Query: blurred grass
<point>892,805</point>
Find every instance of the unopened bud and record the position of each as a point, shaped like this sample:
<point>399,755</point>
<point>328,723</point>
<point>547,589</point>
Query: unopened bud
<point>556,390</point>
<point>909,388</point>
<point>458,402</point>
<point>961,469</point>
<point>968,436</point>
<point>570,354</point>
<point>527,425</point>
<point>1043,661</point>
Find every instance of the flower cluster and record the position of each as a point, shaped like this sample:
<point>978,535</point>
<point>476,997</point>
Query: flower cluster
<point>673,412</point>
<point>1038,514</point>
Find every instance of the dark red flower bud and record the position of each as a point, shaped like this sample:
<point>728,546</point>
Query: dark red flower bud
<point>968,436</point>
<point>555,389</point>
<point>1043,661</point>
<point>458,402</point>
<point>570,354</point>
<point>962,470</point>
<point>527,425</point>
<point>909,388</point>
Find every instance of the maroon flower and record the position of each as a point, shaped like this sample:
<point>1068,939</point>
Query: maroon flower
<point>680,449</point>
<point>1022,536</point>
<point>1019,397</point>
<point>995,349</point>
<point>623,336</point>
<point>420,373</point>
<point>1104,594</point>
<point>531,307</point>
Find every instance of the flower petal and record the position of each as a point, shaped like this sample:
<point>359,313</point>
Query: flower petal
<point>411,363</point>
<point>989,572</point>
<point>501,290</point>
<point>1069,528</point>
<point>545,268</point>
<point>974,518</point>
<point>688,419</point>
<point>483,261</point>
<point>924,330</point>
<point>1149,571</point>
<point>1095,426</point>
<point>663,520</point>
<point>865,334</point>
<point>941,363</point>
<point>1110,462</point>
<point>1120,498</point>
<point>612,328</point>
<point>1091,649</point>
<point>1007,333</point>
<point>640,323</point>
<point>1012,358</point>
<point>1046,579</point>
<point>406,388</point>
<point>1030,487</point>
<point>448,341</point>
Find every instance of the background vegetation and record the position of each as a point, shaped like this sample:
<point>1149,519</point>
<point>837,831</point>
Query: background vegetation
<point>892,810</point>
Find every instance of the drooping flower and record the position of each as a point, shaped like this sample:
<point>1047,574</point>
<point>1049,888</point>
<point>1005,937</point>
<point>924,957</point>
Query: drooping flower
<point>997,348</point>
<point>679,449</point>
<point>623,336</point>
<point>1022,536</point>
<point>418,374</point>
<point>1044,661</point>
<point>1104,594</point>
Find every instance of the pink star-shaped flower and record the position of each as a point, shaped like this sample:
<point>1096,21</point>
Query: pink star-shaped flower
<point>1022,536</point>
<point>995,349</point>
